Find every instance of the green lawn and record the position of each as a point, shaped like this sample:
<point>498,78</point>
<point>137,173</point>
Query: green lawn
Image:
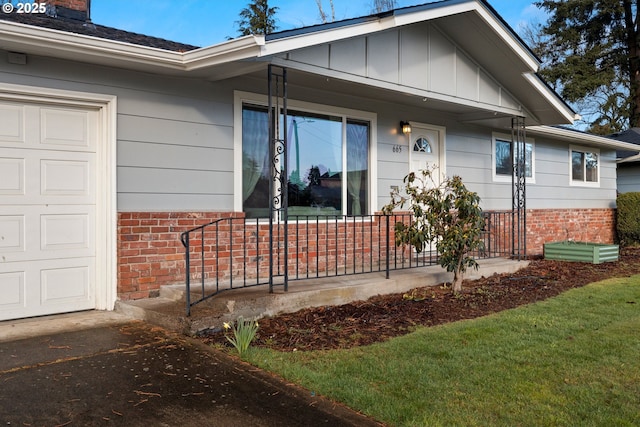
<point>573,360</point>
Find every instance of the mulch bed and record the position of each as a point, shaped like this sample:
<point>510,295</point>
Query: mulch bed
<point>386,316</point>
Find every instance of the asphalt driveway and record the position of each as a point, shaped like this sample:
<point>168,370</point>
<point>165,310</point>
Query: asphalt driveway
<point>136,374</point>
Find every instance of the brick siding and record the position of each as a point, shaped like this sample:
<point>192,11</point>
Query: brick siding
<point>150,253</point>
<point>583,225</point>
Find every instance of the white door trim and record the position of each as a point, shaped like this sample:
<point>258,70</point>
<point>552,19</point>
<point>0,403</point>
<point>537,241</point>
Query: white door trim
<point>106,209</point>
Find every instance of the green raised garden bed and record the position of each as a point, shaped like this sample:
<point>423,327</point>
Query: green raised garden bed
<point>594,253</point>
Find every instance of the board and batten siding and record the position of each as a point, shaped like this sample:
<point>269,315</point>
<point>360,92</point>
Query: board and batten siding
<point>175,144</point>
<point>418,57</point>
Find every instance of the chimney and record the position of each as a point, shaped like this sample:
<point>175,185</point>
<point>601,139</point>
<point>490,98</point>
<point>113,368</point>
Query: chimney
<point>77,10</point>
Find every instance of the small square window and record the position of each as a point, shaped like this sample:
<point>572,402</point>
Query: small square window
<point>585,166</point>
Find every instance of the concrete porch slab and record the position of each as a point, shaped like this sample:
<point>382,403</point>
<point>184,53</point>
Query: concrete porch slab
<point>169,310</point>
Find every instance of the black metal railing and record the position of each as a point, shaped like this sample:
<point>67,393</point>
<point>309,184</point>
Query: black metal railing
<point>233,253</point>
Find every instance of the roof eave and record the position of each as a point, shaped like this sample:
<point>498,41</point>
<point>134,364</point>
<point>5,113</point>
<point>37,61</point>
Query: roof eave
<point>630,159</point>
<point>566,113</point>
<point>48,42</point>
<point>577,137</point>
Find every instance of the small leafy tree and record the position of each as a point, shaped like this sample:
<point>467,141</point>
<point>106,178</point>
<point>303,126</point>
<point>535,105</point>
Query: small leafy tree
<point>447,214</point>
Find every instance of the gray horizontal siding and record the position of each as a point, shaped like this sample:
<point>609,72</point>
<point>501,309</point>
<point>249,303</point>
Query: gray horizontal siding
<point>175,139</point>
<point>469,155</point>
<point>175,202</point>
<point>172,181</point>
<point>165,156</point>
<point>628,177</point>
<point>175,135</point>
<point>174,132</point>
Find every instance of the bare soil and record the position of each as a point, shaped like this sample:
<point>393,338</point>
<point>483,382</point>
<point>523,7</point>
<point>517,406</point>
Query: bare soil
<point>386,316</point>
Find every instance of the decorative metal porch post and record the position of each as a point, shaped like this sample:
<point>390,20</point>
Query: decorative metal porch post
<point>278,190</point>
<point>519,187</point>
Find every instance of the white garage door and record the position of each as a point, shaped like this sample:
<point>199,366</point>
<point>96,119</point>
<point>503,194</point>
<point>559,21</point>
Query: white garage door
<point>47,209</point>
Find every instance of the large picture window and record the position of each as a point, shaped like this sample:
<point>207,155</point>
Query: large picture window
<point>584,166</point>
<point>328,163</point>
<point>503,163</point>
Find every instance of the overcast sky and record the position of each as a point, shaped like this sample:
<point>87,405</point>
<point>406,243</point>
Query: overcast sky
<point>208,22</point>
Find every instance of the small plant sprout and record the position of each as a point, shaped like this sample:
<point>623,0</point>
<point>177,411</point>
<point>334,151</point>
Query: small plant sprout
<point>243,333</point>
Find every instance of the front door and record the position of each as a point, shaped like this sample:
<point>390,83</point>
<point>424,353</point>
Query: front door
<point>424,150</point>
<point>425,147</point>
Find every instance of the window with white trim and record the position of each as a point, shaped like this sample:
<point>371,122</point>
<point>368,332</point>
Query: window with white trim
<point>502,158</point>
<point>328,162</point>
<point>585,166</point>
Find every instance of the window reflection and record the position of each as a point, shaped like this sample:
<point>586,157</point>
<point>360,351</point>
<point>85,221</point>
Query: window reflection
<point>317,155</point>
<point>422,145</point>
<point>584,166</point>
<point>503,158</point>
<point>315,164</point>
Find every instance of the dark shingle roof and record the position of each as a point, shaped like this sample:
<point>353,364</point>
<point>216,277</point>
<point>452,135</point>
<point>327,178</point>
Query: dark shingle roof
<point>630,135</point>
<point>90,29</point>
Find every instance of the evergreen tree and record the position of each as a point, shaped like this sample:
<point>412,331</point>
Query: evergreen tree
<point>257,18</point>
<point>591,56</point>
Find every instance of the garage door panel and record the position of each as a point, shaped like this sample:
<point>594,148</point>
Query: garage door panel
<point>46,177</point>
<point>65,232</point>
<point>12,291</point>
<point>64,177</point>
<point>65,285</point>
<point>65,127</point>
<point>52,128</point>
<point>12,179</point>
<point>11,234</point>
<point>46,287</point>
<point>28,234</point>
<point>12,121</point>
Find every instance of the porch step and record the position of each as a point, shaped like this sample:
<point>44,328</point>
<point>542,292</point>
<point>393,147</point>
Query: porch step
<point>169,309</point>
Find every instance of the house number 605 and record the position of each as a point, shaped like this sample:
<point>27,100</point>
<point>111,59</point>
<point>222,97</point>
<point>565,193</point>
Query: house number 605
<point>397,148</point>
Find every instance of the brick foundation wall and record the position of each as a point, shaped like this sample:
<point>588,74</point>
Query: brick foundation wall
<point>584,225</point>
<point>150,253</point>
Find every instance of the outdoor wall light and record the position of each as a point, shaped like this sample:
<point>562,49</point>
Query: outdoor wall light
<point>406,127</point>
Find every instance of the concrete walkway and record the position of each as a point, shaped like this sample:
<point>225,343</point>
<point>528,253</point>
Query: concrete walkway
<point>169,309</point>
<point>133,374</point>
